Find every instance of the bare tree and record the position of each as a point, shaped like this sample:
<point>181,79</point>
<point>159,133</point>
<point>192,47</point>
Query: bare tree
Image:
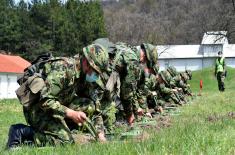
<point>168,21</point>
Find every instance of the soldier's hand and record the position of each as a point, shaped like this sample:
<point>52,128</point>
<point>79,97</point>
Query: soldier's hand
<point>140,111</point>
<point>154,93</point>
<point>101,137</point>
<point>180,89</point>
<point>174,90</point>
<point>76,116</point>
<point>148,114</point>
<point>131,119</point>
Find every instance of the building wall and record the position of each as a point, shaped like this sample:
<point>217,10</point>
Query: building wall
<point>230,62</point>
<point>193,64</point>
<point>208,62</point>
<point>181,64</point>
<point>8,85</point>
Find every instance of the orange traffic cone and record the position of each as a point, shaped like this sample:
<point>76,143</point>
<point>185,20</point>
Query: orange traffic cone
<point>201,86</point>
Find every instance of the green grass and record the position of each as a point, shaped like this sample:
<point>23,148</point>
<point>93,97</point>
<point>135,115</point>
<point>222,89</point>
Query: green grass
<point>207,126</point>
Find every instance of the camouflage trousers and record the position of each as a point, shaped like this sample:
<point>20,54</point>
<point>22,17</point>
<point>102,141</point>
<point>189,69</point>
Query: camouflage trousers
<point>128,98</point>
<point>51,130</point>
<point>220,80</point>
<point>142,99</point>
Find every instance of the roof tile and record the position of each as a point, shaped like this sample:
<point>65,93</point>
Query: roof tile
<point>12,64</point>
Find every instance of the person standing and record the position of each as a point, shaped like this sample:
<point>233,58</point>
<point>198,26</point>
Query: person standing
<point>220,71</point>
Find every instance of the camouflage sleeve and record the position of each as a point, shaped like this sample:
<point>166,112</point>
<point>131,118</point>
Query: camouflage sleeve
<point>150,83</point>
<point>104,103</point>
<point>55,83</point>
<point>164,89</point>
<point>173,83</point>
<point>182,84</point>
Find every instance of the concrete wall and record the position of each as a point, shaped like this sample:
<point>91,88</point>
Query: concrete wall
<point>230,62</point>
<point>192,64</point>
<point>8,85</point>
<point>181,64</point>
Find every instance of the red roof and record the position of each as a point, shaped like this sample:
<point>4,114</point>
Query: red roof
<point>12,64</point>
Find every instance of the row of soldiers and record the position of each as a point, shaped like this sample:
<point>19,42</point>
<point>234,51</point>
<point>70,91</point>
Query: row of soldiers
<point>103,82</point>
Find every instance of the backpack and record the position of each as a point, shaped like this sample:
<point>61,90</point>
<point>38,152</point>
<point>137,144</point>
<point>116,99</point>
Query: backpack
<point>36,68</point>
<point>32,81</point>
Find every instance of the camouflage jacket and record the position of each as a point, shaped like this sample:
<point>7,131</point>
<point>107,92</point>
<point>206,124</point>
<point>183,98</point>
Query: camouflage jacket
<point>58,92</point>
<point>126,63</point>
<point>178,82</point>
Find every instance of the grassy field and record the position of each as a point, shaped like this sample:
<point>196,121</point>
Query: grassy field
<point>206,126</point>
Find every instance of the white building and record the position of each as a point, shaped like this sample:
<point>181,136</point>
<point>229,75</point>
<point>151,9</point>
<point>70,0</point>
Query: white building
<point>196,57</point>
<point>11,67</point>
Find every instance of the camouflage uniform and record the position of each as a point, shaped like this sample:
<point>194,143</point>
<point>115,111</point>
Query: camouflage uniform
<point>183,82</point>
<point>180,80</point>
<point>150,68</point>
<point>176,82</point>
<point>98,91</point>
<point>127,65</point>
<point>165,89</point>
<point>47,117</point>
<point>154,99</point>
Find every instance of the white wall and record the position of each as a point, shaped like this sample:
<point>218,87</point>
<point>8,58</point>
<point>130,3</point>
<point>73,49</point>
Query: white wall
<point>208,62</point>
<point>181,64</point>
<point>230,62</point>
<point>8,85</point>
<point>192,64</point>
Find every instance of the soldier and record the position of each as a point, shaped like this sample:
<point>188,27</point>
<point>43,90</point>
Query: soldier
<point>95,73</point>
<point>189,73</point>
<point>54,89</point>
<point>179,82</point>
<point>127,65</point>
<point>50,115</point>
<point>188,90</point>
<point>169,94</point>
<point>148,57</point>
<point>184,85</point>
<point>220,71</point>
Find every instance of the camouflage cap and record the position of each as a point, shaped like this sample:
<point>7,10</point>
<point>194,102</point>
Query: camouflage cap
<point>97,57</point>
<point>165,76</point>
<point>184,76</point>
<point>172,70</point>
<point>189,73</point>
<point>151,52</point>
<point>156,68</point>
<point>110,46</point>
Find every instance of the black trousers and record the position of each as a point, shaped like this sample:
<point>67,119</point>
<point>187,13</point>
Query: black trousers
<point>20,134</point>
<point>220,80</point>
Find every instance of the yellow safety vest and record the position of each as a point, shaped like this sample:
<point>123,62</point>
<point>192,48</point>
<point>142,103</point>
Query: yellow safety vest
<point>219,64</point>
